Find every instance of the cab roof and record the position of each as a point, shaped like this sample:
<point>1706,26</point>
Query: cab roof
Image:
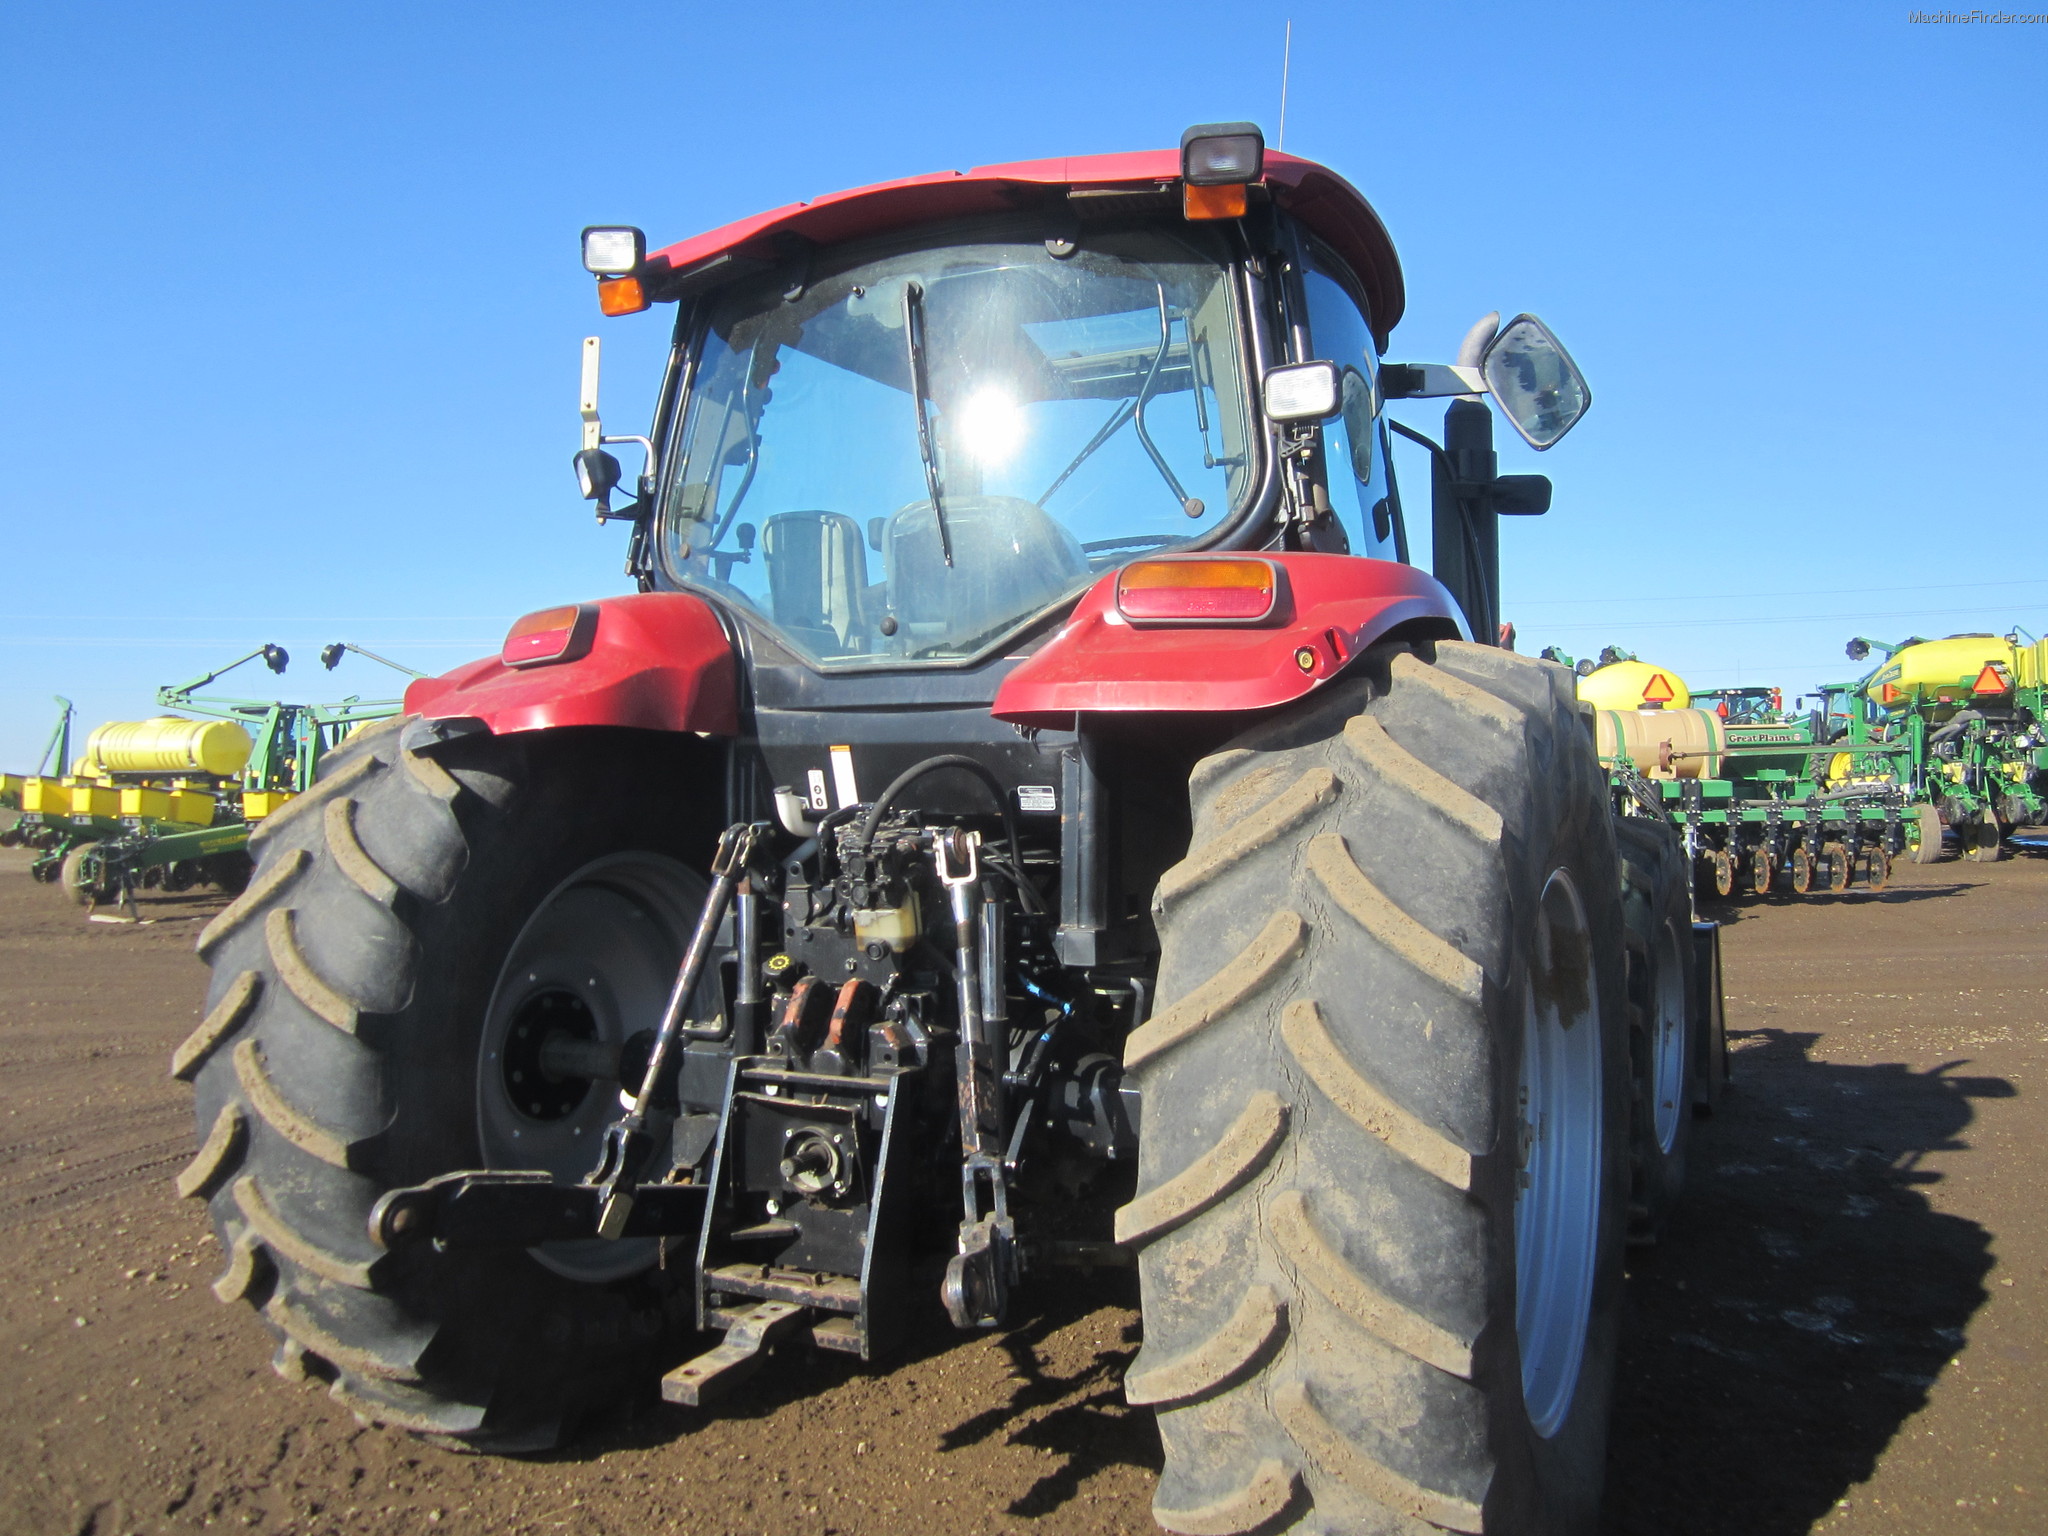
<point>1321,199</point>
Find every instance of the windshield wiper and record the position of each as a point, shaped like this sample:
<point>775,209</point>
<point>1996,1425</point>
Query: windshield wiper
<point>1134,411</point>
<point>920,386</point>
<point>1188,504</point>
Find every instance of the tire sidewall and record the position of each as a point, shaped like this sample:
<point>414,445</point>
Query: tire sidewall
<point>1553,1484</point>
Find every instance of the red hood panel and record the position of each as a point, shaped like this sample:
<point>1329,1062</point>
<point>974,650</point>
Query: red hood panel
<point>659,661</point>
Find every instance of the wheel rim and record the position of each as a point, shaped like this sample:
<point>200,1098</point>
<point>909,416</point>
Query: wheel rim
<point>1668,1044</point>
<point>594,963</point>
<point>1557,1208</point>
<point>1761,875</point>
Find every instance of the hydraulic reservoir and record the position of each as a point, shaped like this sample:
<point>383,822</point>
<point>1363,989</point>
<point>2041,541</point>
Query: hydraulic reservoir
<point>1634,685</point>
<point>1940,671</point>
<point>1662,743</point>
<point>167,744</point>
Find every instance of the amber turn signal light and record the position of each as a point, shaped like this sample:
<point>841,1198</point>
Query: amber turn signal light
<point>1206,590</point>
<point>621,296</point>
<point>1212,202</point>
<point>553,634</point>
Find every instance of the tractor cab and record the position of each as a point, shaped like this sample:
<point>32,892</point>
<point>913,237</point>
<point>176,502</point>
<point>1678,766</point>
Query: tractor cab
<point>908,426</point>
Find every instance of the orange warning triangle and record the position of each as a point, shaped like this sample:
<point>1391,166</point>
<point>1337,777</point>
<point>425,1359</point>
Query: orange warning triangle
<point>1990,680</point>
<point>1658,690</point>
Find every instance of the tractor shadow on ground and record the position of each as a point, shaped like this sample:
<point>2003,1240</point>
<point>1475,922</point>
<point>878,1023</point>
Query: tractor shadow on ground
<point>1806,1301</point>
<point>1075,1410</point>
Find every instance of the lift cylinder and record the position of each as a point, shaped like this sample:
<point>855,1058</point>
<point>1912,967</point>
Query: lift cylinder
<point>1662,743</point>
<point>167,744</point>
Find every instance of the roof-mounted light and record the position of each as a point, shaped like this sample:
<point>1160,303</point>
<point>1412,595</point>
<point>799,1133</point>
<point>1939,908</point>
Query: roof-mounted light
<point>621,295</point>
<point>1198,590</point>
<point>613,250</point>
<point>1217,162</point>
<point>1222,154</point>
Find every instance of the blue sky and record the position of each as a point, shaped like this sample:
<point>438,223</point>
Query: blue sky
<point>290,303</point>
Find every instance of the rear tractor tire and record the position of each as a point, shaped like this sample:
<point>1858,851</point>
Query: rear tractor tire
<point>408,917</point>
<point>1383,1180</point>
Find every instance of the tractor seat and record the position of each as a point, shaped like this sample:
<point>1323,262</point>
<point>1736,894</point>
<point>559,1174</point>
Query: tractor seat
<point>1009,560</point>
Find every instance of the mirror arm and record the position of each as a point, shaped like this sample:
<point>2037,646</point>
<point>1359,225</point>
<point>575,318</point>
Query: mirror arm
<point>1429,381</point>
<point>645,485</point>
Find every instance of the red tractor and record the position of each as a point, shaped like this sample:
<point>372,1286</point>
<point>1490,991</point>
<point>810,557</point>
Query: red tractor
<point>1030,813</point>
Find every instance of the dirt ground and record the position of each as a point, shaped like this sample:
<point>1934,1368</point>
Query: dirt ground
<point>1847,1333</point>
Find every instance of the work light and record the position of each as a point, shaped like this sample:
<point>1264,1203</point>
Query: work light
<point>1222,154</point>
<point>1302,392</point>
<point>612,250</point>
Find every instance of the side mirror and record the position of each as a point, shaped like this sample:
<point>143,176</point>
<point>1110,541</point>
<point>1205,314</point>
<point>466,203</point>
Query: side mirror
<point>1539,387</point>
<point>597,476</point>
<point>1303,392</point>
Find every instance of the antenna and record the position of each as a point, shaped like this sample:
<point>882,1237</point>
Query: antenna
<point>1286,58</point>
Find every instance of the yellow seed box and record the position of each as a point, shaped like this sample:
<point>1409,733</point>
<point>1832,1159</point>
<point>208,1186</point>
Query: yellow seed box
<point>50,797</point>
<point>95,800</point>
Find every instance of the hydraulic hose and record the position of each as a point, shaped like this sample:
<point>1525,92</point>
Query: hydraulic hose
<point>912,774</point>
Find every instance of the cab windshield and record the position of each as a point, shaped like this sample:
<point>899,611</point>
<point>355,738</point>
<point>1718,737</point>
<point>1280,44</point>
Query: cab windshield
<point>904,460</point>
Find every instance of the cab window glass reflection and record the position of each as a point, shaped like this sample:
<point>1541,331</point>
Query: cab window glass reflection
<point>1353,462</point>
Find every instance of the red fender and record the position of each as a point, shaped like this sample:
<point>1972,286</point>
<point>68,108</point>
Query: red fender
<point>659,661</point>
<point>1333,607</point>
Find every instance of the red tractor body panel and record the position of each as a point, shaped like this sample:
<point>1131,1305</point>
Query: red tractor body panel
<point>658,661</point>
<point>1324,201</point>
<point>1331,608</point>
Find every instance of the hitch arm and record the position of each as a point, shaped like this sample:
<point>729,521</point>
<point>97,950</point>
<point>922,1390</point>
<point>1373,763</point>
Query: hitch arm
<point>626,1143</point>
<point>484,1209</point>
